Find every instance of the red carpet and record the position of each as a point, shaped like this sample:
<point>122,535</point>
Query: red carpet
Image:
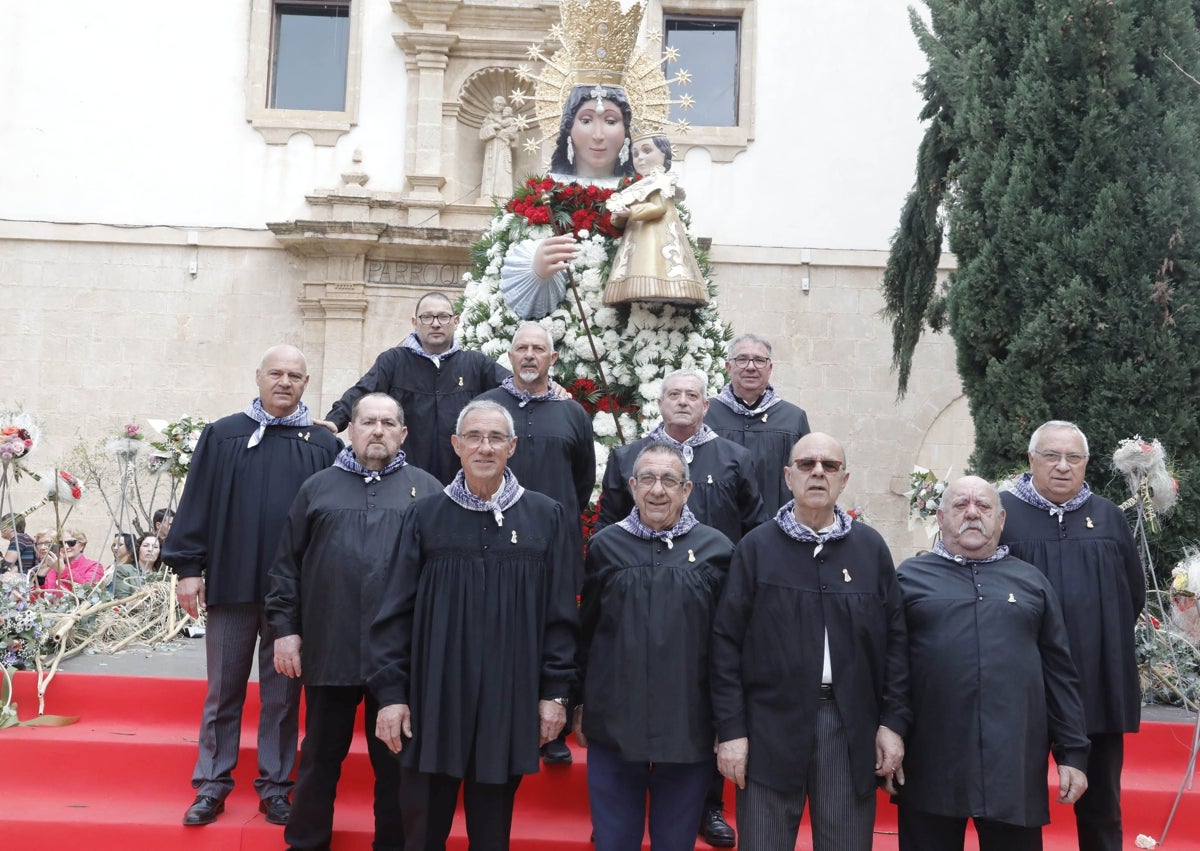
<point>119,779</point>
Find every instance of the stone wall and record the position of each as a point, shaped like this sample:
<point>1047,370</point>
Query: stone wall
<point>107,325</point>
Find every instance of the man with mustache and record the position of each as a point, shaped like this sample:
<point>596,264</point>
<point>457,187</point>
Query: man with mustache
<point>556,452</point>
<point>1082,542</point>
<point>335,548</point>
<point>993,688</point>
<point>810,666</point>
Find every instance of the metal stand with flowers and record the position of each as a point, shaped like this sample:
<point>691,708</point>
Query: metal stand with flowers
<point>1167,631</point>
<point>40,628</point>
<point>924,494</point>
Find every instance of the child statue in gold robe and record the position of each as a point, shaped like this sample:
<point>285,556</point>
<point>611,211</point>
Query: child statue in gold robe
<point>654,261</point>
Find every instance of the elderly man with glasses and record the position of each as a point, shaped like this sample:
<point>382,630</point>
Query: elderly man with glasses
<point>432,379</point>
<point>651,589</point>
<point>724,495</point>
<point>473,651</point>
<point>1082,542</point>
<point>749,412</point>
<point>810,666</point>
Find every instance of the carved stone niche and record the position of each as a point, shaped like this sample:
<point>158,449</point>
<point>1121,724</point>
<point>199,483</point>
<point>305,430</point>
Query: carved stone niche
<point>475,102</point>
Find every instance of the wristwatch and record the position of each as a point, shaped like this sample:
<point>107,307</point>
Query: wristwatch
<point>561,701</point>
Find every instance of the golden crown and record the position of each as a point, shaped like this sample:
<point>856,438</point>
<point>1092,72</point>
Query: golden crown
<point>599,39</point>
<point>599,47</point>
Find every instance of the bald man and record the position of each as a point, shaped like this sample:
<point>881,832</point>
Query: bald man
<point>993,688</point>
<point>247,469</point>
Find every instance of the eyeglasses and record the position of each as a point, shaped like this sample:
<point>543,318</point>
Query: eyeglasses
<point>743,361</point>
<point>474,440</point>
<point>647,481</point>
<point>43,543</point>
<point>807,465</point>
<point>1072,458</point>
<point>70,542</point>
<point>440,318</point>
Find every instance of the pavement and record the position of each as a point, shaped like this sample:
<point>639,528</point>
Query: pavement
<point>183,658</point>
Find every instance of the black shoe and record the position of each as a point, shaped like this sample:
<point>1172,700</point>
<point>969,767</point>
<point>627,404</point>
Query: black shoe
<point>277,808</point>
<point>556,752</point>
<point>715,830</point>
<point>204,810</point>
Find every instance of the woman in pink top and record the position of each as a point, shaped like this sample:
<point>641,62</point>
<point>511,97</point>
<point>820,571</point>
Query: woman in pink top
<point>74,568</point>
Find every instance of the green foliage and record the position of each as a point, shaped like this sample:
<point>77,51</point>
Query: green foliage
<point>1071,194</point>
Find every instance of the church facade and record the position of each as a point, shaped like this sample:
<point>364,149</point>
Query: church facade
<point>183,190</point>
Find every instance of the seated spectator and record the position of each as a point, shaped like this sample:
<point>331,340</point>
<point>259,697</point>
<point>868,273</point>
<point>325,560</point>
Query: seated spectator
<point>73,567</point>
<point>127,574</point>
<point>47,554</point>
<point>149,553</point>
<point>162,522</point>
<point>20,551</point>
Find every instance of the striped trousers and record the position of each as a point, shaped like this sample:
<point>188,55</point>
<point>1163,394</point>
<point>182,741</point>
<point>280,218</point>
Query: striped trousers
<point>231,632</point>
<point>768,819</point>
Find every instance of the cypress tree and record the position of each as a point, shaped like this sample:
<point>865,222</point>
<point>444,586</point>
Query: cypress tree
<point>1063,158</point>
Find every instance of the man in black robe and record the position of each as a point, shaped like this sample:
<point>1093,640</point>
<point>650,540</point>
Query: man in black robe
<point>653,582</point>
<point>243,476</point>
<point>556,451</point>
<point>432,379</point>
<point>473,650</point>
<point>324,592</point>
<point>749,412</point>
<point>724,496</point>
<point>993,689</point>
<point>1082,542</point>
<point>810,666</point>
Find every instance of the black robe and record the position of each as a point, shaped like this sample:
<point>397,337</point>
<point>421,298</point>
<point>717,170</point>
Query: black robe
<point>555,455</point>
<point>993,690</point>
<point>724,492</point>
<point>235,500</point>
<point>478,622</point>
<point>1092,562</point>
<point>647,612</point>
<point>326,580</point>
<point>769,650</point>
<point>770,437</point>
<point>431,396</point>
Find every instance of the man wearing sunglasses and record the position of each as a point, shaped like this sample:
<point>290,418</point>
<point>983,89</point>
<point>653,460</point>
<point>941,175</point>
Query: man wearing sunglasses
<point>1082,542</point>
<point>749,412</point>
<point>810,666</point>
<point>432,379</point>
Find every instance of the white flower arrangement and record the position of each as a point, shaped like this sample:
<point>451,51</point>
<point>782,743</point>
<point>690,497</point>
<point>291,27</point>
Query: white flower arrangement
<point>638,344</point>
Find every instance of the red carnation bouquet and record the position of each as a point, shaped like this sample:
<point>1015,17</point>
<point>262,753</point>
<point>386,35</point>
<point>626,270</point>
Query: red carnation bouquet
<point>567,207</point>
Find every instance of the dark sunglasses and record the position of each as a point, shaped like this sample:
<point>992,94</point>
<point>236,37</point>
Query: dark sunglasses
<point>807,465</point>
<point>70,542</point>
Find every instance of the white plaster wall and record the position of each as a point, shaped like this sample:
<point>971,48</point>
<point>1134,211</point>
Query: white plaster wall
<point>836,131</point>
<point>134,113</point>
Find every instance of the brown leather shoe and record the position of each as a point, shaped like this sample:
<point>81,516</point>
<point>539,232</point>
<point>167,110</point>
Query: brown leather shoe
<point>277,808</point>
<point>204,810</point>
